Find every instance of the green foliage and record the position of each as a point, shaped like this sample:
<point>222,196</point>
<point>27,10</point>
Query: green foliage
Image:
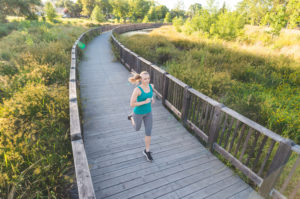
<point>226,25</point>
<point>167,18</point>
<point>152,14</point>
<point>138,8</point>
<point>278,19</point>
<point>20,8</point>
<point>50,11</point>
<point>34,113</point>
<point>293,12</point>
<point>120,8</point>
<point>87,7</point>
<point>178,22</point>
<point>73,9</point>
<point>146,20</point>
<point>97,14</point>
<point>194,9</point>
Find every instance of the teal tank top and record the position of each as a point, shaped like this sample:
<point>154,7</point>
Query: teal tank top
<point>145,108</point>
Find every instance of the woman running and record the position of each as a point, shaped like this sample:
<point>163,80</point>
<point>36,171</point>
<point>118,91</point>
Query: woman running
<point>141,100</point>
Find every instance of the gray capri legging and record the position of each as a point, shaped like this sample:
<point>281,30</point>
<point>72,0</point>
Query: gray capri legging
<point>138,118</point>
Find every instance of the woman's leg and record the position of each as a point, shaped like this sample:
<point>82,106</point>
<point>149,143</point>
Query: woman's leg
<point>148,120</point>
<point>136,121</point>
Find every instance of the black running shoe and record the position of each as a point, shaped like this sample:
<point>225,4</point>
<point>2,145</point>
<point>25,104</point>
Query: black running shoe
<point>148,155</point>
<point>129,117</point>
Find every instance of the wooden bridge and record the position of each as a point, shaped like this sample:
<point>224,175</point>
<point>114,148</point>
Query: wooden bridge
<point>108,151</point>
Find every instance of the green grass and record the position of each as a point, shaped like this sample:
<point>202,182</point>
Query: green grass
<point>34,110</point>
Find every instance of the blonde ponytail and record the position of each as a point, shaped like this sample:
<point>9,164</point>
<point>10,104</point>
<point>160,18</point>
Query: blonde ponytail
<point>136,78</point>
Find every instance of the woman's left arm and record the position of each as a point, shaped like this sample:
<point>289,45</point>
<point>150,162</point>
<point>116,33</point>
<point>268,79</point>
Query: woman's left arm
<point>152,101</point>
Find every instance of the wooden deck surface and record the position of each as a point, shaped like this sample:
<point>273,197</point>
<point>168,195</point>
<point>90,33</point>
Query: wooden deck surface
<point>182,167</point>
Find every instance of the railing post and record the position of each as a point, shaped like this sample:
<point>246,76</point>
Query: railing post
<point>121,54</point>
<point>151,75</point>
<point>214,126</point>
<point>280,159</point>
<point>165,88</point>
<point>185,104</point>
<point>138,65</point>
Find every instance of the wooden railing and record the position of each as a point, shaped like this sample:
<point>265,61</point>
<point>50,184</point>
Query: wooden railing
<point>253,149</point>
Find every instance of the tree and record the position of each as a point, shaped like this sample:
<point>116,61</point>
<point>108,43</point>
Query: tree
<point>167,18</point>
<point>50,11</point>
<point>254,10</point>
<point>152,14</point>
<point>146,20</point>
<point>178,22</point>
<point>18,7</point>
<point>212,6</point>
<point>73,9</point>
<point>138,8</point>
<point>293,13</point>
<point>278,19</point>
<point>104,6</point>
<point>120,8</point>
<point>97,14</point>
<point>194,9</point>
<point>87,7</point>
<point>161,11</point>
<point>178,11</point>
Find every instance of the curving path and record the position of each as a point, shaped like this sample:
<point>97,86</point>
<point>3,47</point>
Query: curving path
<point>182,167</point>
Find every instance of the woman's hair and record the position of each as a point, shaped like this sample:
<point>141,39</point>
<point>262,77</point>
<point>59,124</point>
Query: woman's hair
<point>136,78</point>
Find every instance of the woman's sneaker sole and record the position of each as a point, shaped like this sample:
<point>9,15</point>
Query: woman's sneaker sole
<point>146,156</point>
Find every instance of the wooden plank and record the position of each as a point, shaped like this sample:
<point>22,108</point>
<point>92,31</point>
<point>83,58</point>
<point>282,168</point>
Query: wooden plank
<point>253,124</point>
<point>246,143</point>
<point>156,143</point>
<point>125,159</point>
<point>229,191</point>
<point>287,180</point>
<point>161,157</point>
<point>252,148</point>
<point>200,183</point>
<point>173,108</point>
<point>240,140</point>
<point>154,173</point>
<point>239,165</point>
<point>136,187</point>
<point>198,131</point>
<point>144,166</point>
<point>204,97</point>
<point>277,195</point>
<point>225,124</point>
<point>83,176</point>
<point>259,152</point>
<point>279,161</point>
<point>177,81</point>
<point>213,188</point>
<point>234,135</point>
<point>228,132</point>
<point>266,158</point>
<point>246,193</point>
<point>173,186</point>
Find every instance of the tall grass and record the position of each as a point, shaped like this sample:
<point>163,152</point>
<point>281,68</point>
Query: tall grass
<point>35,149</point>
<point>263,87</point>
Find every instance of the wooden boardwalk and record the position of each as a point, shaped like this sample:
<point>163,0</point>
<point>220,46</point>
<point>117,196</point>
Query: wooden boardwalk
<point>182,167</point>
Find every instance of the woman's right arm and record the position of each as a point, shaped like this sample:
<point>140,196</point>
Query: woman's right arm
<point>133,99</point>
